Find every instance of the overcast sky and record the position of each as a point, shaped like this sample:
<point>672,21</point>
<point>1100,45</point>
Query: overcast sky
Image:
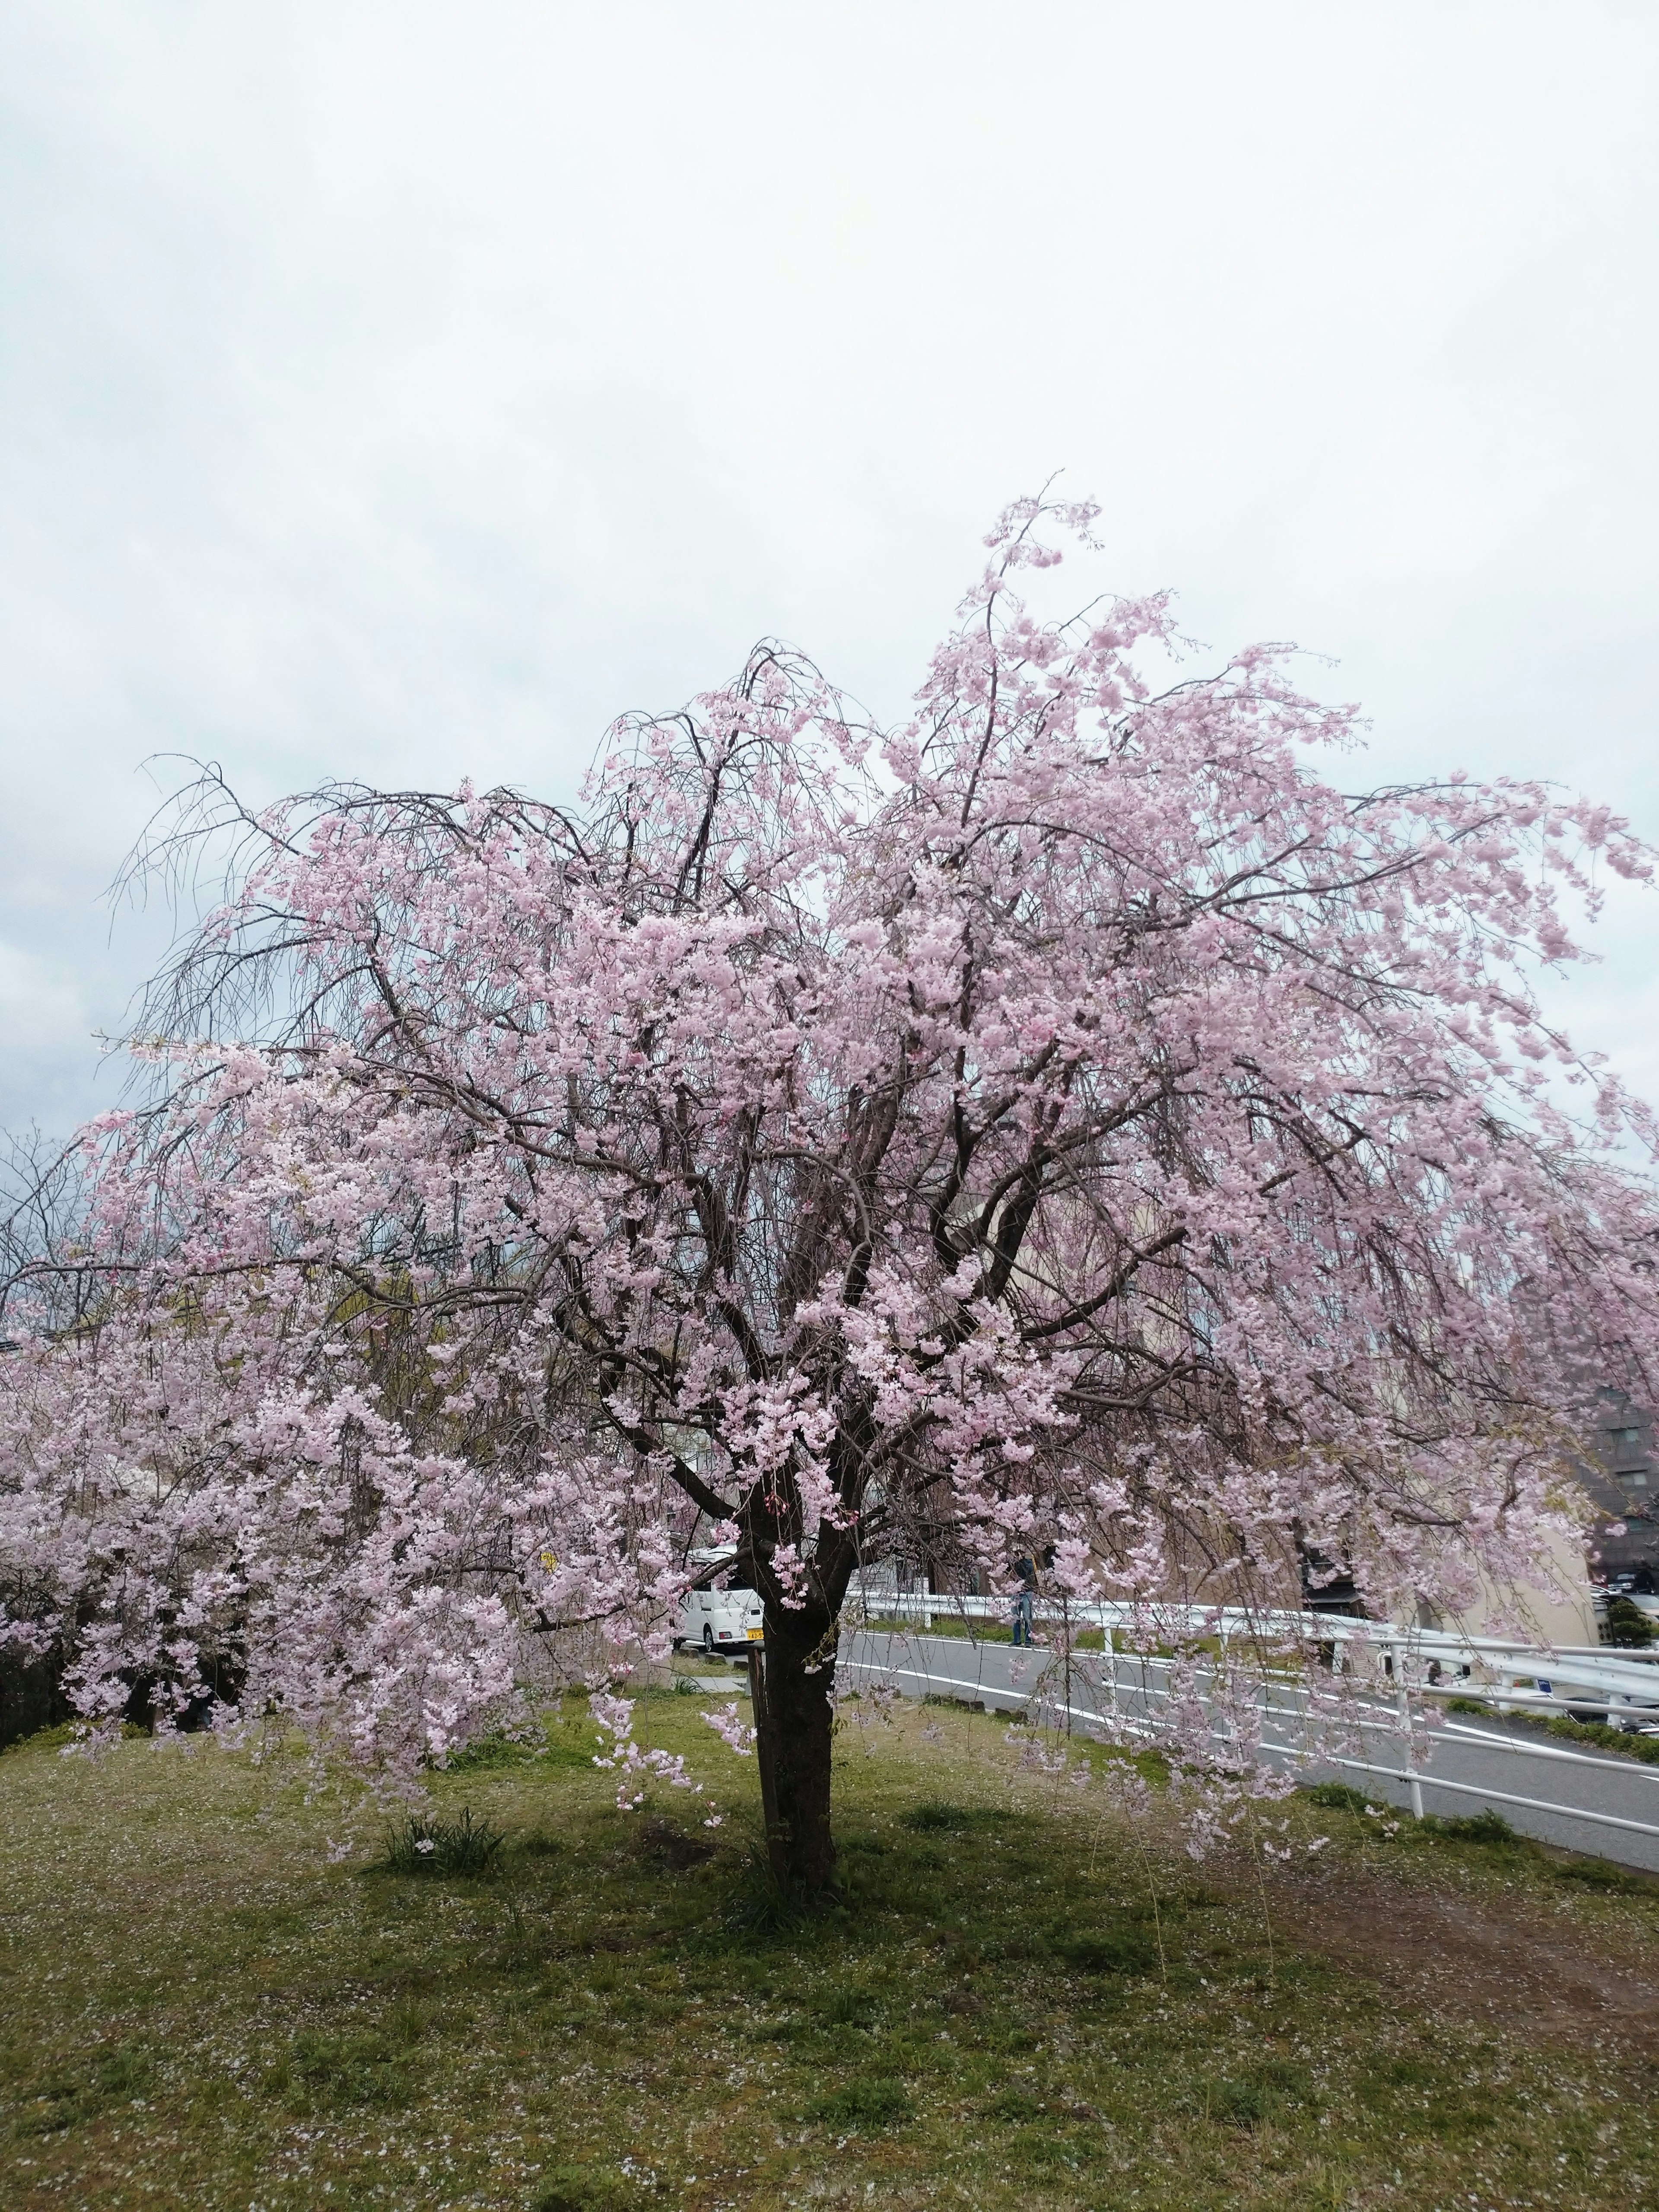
<point>400,390</point>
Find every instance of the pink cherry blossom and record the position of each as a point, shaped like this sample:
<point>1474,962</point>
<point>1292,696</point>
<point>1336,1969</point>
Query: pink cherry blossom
<point>1074,1123</point>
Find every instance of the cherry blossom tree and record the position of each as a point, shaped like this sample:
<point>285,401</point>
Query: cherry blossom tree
<point>1069,1125</point>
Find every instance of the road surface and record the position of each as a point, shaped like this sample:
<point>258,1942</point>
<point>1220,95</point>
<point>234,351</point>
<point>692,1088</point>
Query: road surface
<point>1581,1799</point>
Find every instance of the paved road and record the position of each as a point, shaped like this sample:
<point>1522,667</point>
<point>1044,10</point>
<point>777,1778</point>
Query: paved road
<point>1585,1801</point>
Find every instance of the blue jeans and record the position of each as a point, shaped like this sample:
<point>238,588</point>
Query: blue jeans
<point>1022,1617</point>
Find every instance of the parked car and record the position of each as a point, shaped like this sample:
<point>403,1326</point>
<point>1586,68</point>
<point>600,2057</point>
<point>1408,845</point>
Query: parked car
<point>720,1619</point>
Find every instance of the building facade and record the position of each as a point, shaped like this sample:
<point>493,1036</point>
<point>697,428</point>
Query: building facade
<point>1623,1481</point>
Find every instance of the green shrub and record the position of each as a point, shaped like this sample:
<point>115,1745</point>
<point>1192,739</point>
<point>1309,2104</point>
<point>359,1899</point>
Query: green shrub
<point>570,1740</point>
<point>46,1739</point>
<point>555,1742</point>
<point>1628,1626</point>
<point>1644,1747</point>
<point>62,1733</point>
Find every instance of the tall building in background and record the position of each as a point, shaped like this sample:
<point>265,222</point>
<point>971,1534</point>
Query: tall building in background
<point>1622,1479</point>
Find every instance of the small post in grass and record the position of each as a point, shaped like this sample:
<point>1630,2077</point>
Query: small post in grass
<point>1406,1727</point>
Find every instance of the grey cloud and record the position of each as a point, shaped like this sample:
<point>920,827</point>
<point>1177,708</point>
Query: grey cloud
<point>401,391</point>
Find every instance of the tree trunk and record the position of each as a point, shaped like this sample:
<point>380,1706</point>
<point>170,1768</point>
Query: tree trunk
<point>795,1720</point>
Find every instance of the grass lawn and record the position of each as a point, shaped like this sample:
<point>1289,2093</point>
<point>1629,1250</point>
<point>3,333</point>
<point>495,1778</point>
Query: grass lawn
<point>199,2009</point>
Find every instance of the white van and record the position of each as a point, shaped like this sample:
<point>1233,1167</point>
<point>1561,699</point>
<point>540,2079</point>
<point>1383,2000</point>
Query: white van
<point>720,1619</point>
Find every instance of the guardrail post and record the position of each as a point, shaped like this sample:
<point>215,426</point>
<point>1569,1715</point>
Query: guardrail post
<point>1413,1781</point>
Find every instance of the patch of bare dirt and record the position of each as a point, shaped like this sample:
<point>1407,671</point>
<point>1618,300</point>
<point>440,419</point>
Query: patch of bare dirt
<point>673,1846</point>
<point>1517,1966</point>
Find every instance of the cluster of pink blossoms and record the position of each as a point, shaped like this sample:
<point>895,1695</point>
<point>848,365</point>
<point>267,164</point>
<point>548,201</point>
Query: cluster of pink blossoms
<point>1069,1124</point>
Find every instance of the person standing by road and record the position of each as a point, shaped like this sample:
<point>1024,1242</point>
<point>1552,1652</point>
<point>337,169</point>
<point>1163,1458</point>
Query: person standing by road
<point>1025,1575</point>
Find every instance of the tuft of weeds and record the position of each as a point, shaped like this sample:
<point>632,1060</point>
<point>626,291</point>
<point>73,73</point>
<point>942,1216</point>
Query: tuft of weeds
<point>759,1908</point>
<point>66,2096</point>
<point>1602,1874</point>
<point>1264,2094</point>
<point>1333,1797</point>
<point>1120,1951</point>
<point>847,2004</point>
<point>936,1816</point>
<point>1489,1828</point>
<point>421,1843</point>
<point>585,2189</point>
<point>868,2102</point>
<point>320,2074</point>
<point>1017,2106</point>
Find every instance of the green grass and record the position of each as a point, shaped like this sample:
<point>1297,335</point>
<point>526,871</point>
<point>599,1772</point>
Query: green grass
<point>1021,2001</point>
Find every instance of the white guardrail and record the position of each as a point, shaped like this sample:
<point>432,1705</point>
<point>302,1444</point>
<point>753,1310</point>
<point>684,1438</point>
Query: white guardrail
<point>1503,1672</point>
<point>1116,1693</point>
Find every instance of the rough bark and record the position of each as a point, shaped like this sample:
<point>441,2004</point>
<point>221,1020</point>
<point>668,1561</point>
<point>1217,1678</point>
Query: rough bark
<point>795,1719</point>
